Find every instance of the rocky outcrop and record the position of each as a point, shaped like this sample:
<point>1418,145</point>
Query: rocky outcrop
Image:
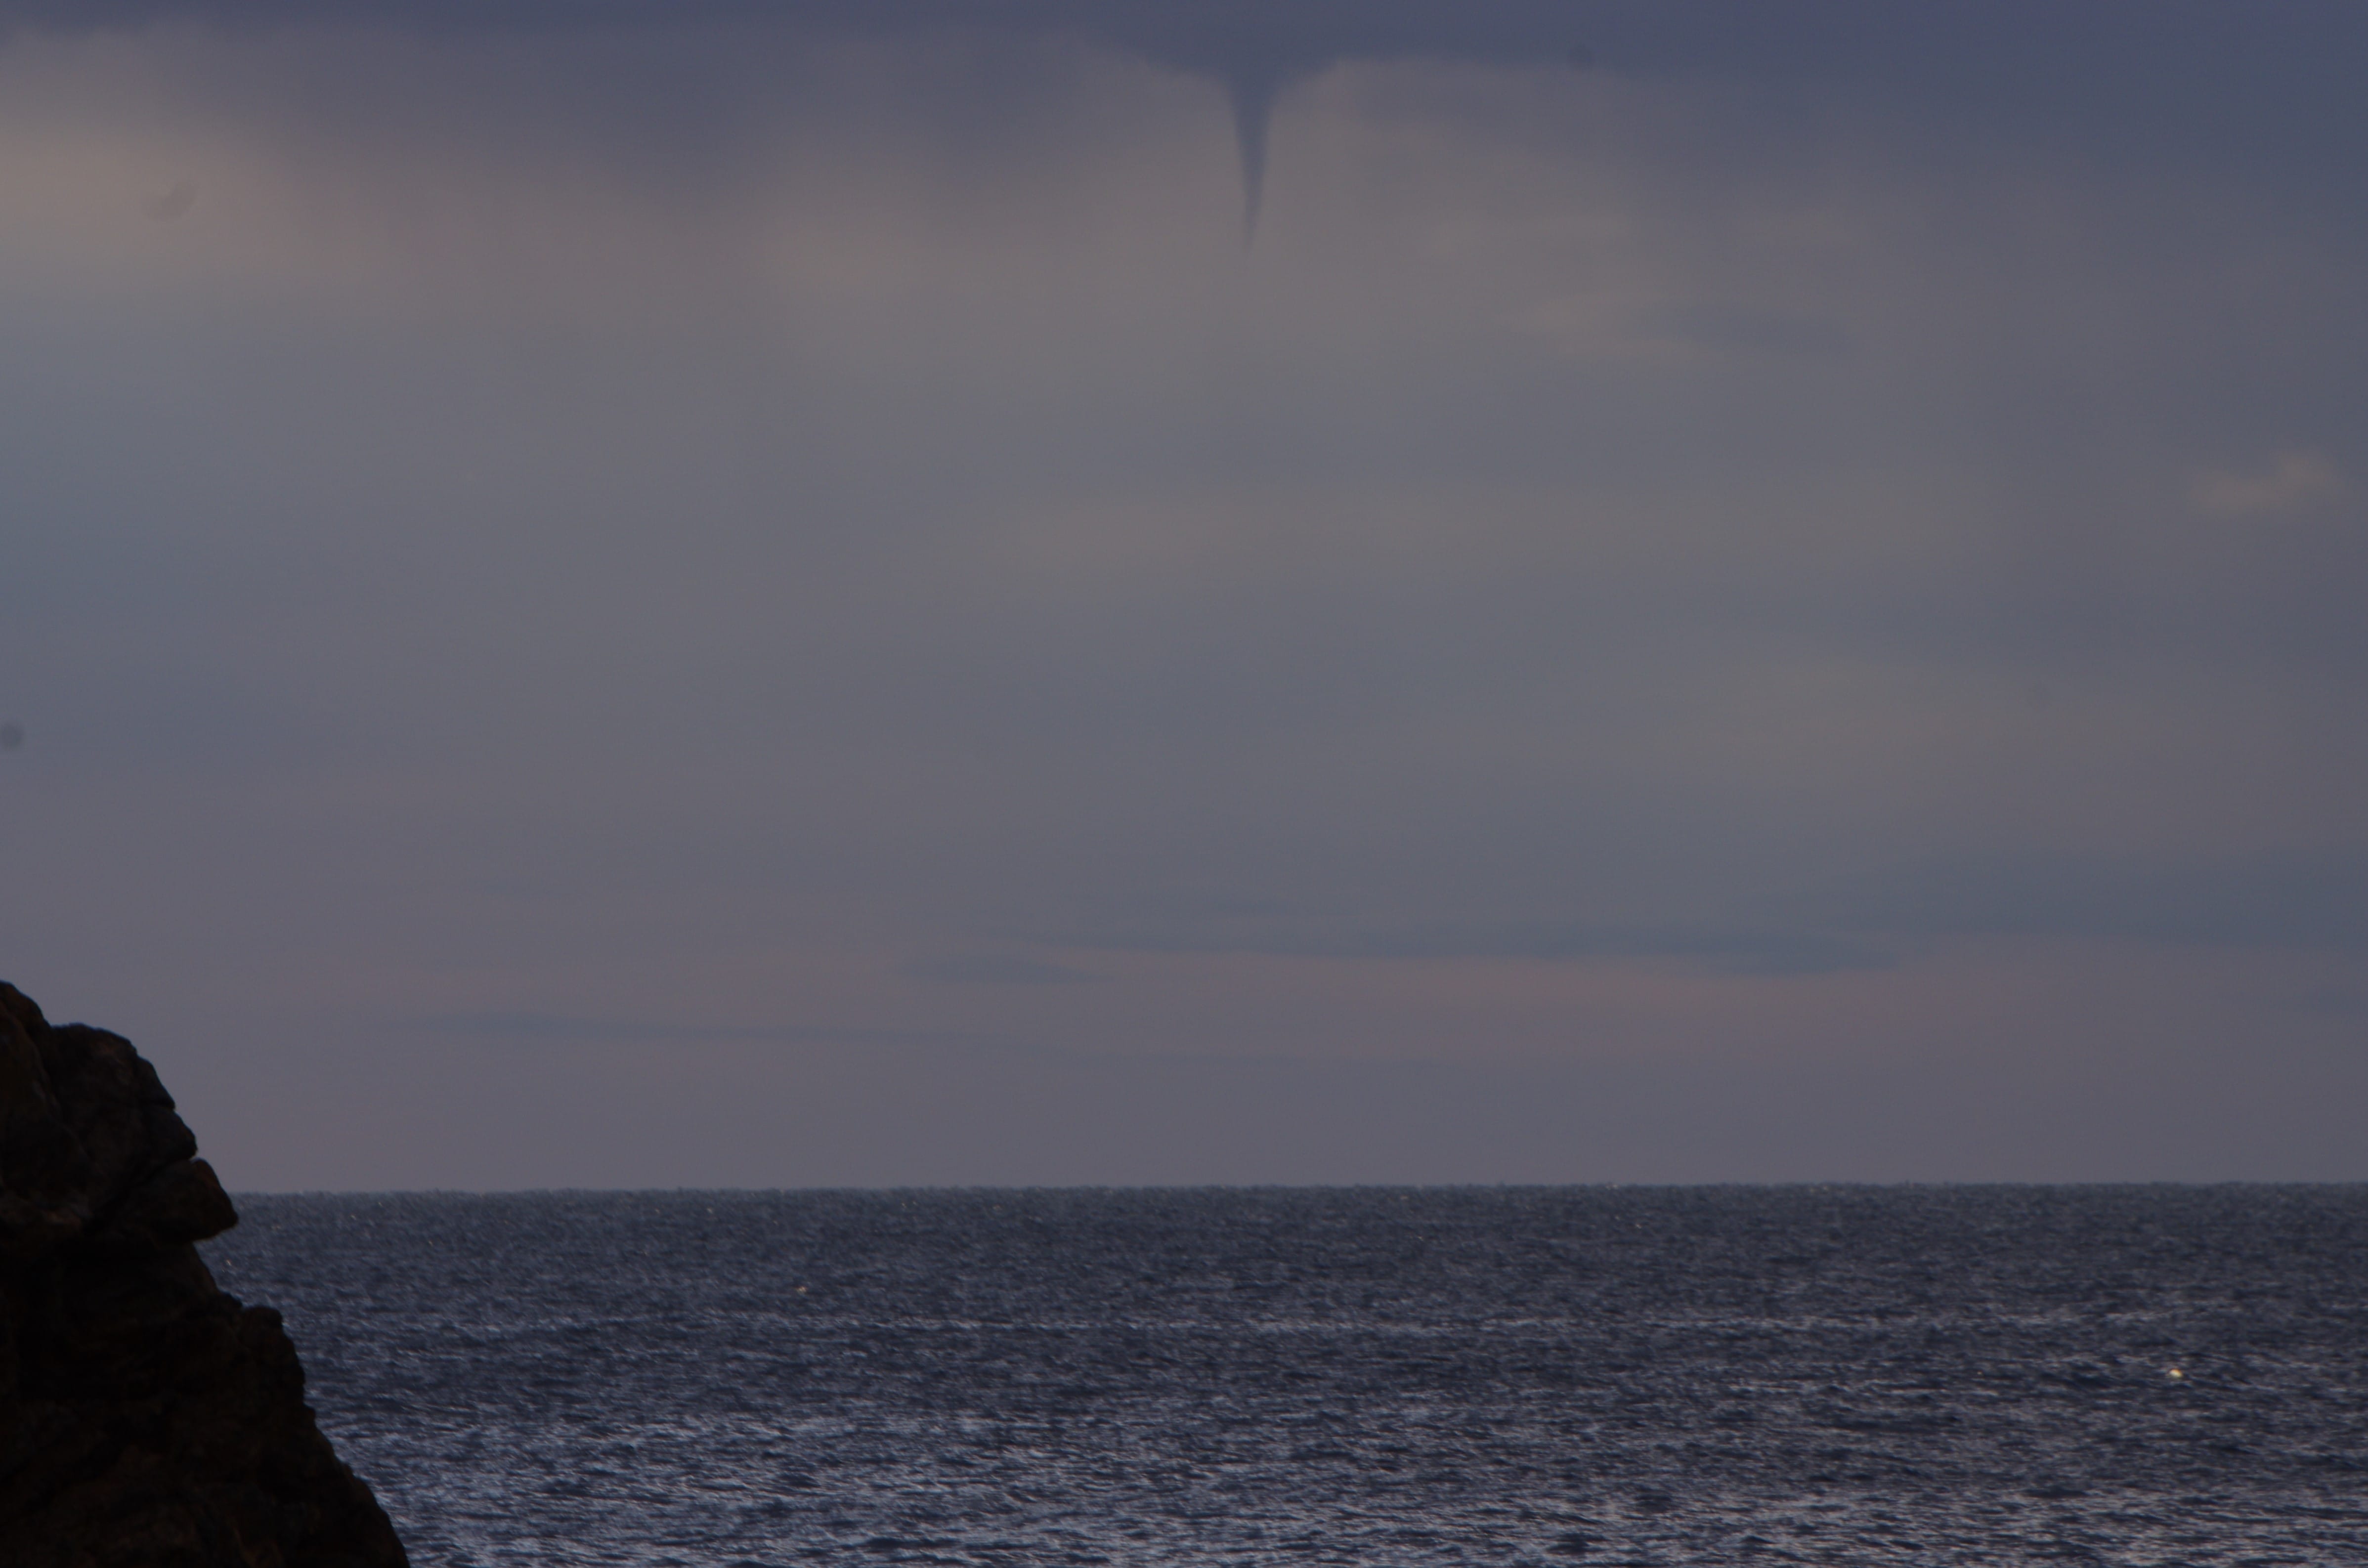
<point>147,1419</point>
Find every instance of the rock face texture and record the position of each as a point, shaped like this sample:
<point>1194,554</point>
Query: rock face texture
<point>147,1419</point>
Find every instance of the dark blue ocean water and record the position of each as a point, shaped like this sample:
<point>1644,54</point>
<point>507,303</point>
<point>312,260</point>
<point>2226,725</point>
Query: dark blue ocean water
<point>1945,1375</point>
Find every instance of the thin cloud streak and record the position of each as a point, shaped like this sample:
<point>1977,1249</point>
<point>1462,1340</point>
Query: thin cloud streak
<point>560,1027</point>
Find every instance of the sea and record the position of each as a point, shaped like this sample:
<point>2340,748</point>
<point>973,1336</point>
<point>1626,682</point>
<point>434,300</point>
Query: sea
<point>1592,1375</point>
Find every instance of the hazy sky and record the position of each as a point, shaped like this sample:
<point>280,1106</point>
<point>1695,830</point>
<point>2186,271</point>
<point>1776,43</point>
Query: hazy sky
<point>631,594</point>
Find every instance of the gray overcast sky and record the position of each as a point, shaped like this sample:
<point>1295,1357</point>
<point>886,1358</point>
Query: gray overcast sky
<point>769,595</point>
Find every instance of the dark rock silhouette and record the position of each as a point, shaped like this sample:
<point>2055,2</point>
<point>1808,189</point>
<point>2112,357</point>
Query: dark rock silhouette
<point>147,1419</point>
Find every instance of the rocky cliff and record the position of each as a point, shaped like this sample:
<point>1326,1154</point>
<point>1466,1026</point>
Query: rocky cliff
<point>147,1419</point>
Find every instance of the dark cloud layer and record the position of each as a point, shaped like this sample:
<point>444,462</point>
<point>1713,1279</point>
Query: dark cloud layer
<point>2263,88</point>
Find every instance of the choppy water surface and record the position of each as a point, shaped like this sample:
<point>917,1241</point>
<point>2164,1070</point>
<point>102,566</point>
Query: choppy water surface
<point>2119,1375</point>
